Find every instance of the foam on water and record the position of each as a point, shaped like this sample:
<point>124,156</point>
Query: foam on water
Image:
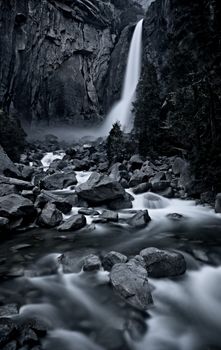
<point>50,157</point>
<point>187,315</point>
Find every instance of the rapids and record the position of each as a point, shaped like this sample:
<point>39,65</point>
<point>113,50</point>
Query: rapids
<point>45,278</point>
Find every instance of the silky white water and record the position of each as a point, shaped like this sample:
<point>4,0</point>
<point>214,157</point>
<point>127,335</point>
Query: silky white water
<point>121,111</point>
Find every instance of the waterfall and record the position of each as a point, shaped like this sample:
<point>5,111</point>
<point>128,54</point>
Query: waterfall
<point>121,111</point>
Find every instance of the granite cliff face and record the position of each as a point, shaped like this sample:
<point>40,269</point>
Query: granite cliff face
<point>55,57</point>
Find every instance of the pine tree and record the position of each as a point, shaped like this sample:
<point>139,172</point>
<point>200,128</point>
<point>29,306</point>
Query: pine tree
<point>115,144</point>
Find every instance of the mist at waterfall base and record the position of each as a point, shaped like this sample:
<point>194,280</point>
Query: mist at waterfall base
<point>81,310</point>
<point>121,111</point>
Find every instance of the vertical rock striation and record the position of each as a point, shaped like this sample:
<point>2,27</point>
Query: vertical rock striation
<point>54,57</point>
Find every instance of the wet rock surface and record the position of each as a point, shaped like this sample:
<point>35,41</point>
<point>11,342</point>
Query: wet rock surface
<point>160,263</point>
<point>100,189</point>
<point>130,281</point>
<point>75,222</point>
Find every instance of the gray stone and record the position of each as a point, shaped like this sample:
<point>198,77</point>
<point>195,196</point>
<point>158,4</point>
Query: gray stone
<point>58,181</point>
<point>75,222</point>
<point>6,189</point>
<point>61,203</point>
<point>92,263</point>
<point>179,166</point>
<point>50,216</point>
<point>138,178</point>
<point>158,177</point>
<point>19,184</point>
<point>175,216</point>
<point>112,258</point>
<point>160,186</point>
<point>109,216</point>
<point>121,203</point>
<point>99,189</point>
<point>135,162</point>
<point>162,263</point>
<point>7,167</point>
<point>16,206</point>
<point>118,171</point>
<point>144,187</point>
<point>26,171</point>
<point>130,281</point>
<point>88,211</point>
<point>140,219</point>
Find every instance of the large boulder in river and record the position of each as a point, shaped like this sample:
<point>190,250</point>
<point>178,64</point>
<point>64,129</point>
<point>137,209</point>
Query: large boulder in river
<point>14,206</point>
<point>75,222</point>
<point>100,189</point>
<point>112,258</point>
<point>130,282</point>
<point>140,219</point>
<point>58,181</point>
<point>7,167</point>
<point>92,263</point>
<point>50,216</point>
<point>61,203</point>
<point>163,263</point>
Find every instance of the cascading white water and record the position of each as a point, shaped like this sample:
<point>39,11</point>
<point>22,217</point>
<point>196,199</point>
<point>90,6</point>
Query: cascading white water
<point>122,110</point>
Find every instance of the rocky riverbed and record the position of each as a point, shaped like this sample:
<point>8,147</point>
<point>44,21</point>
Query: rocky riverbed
<point>106,257</point>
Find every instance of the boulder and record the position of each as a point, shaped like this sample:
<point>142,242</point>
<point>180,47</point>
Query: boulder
<point>160,186</point>
<point>75,222</point>
<point>179,166</point>
<point>92,263</point>
<point>7,167</point>
<point>130,281</point>
<point>118,171</point>
<point>109,215</point>
<point>218,203</point>
<point>26,171</point>
<point>61,203</point>
<point>81,165</point>
<point>135,162</point>
<point>50,216</point>
<point>20,185</point>
<point>160,176</point>
<point>142,188</point>
<point>163,263</point>
<point>100,189</point>
<point>15,206</point>
<point>140,219</point>
<point>6,189</point>
<point>121,203</point>
<point>88,211</point>
<point>137,178</point>
<point>112,258</point>
<point>58,181</point>
<point>148,169</point>
<point>29,194</point>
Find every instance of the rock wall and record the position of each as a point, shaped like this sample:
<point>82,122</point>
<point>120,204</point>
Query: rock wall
<point>179,96</point>
<point>55,55</point>
<point>182,44</point>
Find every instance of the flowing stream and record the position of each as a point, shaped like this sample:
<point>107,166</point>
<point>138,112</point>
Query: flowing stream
<point>81,310</point>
